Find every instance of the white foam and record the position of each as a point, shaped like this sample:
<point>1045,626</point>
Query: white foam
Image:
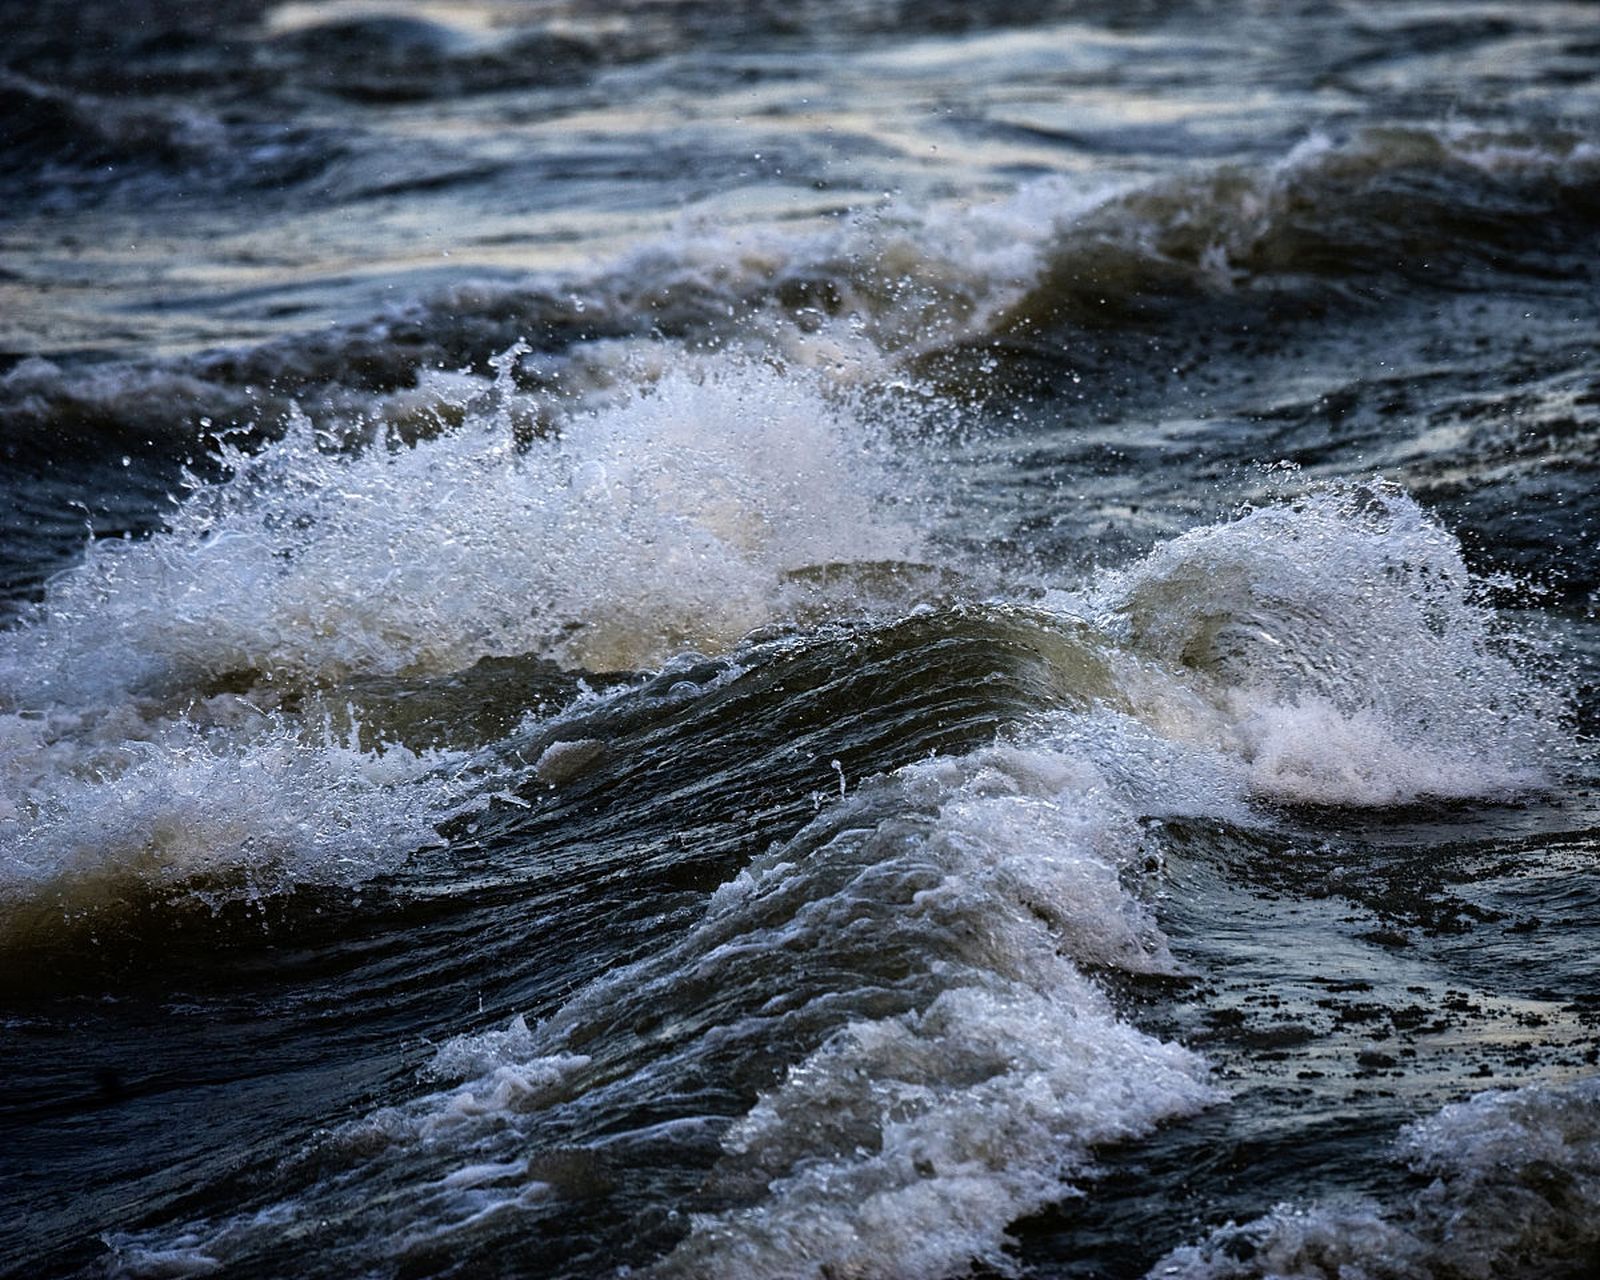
<point>901,1144</point>
<point>1311,752</point>
<point>93,807</point>
<point>665,522</point>
<point>1503,1129</point>
<point>192,1253</point>
<point>906,1145</point>
<point>1340,642</point>
<point>466,1056</point>
<point>662,523</point>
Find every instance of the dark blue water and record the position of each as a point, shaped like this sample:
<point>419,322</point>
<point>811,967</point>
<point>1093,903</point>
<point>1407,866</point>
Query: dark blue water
<point>840,639</point>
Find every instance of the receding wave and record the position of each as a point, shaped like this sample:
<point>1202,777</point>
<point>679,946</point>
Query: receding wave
<point>1332,223</point>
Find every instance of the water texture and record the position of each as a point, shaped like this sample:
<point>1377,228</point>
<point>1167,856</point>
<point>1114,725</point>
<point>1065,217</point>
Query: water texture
<point>840,639</point>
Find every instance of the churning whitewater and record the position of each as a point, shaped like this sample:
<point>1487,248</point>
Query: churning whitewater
<point>875,641</point>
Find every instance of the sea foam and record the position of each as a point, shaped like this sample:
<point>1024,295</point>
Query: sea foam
<point>644,528</point>
<point>1346,649</point>
<point>159,713</point>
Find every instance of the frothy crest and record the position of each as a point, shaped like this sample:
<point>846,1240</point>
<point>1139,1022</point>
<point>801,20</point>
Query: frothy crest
<point>669,521</point>
<point>660,524</point>
<point>120,814</point>
<point>1343,643</point>
<point>905,1144</point>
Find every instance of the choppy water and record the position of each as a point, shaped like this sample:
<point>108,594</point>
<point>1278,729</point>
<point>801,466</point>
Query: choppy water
<point>815,640</point>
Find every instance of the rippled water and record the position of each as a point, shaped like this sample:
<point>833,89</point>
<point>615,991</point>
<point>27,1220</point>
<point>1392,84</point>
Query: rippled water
<point>838,639</point>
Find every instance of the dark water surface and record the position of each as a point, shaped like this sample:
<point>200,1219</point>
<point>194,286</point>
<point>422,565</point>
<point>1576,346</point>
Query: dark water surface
<point>838,639</point>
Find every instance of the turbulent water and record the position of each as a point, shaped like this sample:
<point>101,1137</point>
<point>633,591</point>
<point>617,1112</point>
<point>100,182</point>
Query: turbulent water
<point>841,639</point>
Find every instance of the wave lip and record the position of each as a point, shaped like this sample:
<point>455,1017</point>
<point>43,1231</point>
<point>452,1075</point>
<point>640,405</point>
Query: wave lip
<point>1335,219</point>
<point>178,818</point>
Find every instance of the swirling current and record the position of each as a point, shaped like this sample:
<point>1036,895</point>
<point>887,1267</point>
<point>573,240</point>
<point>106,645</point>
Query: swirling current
<point>848,639</point>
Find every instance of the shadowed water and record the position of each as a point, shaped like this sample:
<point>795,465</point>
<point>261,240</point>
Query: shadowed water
<point>839,639</point>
